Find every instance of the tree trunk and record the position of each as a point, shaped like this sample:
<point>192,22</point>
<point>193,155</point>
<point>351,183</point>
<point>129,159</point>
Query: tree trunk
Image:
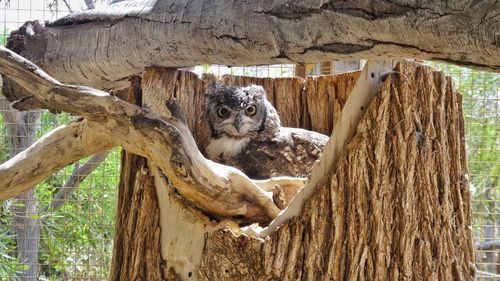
<point>22,128</point>
<point>396,207</point>
<point>102,48</point>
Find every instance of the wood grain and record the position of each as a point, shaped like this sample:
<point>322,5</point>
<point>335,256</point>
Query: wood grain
<point>101,48</point>
<point>397,207</point>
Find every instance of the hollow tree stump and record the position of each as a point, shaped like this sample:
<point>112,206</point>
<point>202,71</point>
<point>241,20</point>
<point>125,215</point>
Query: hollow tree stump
<point>396,207</point>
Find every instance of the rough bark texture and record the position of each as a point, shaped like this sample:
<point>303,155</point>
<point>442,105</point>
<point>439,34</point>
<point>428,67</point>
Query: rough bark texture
<point>21,128</point>
<point>137,252</point>
<point>325,97</point>
<point>396,208</point>
<point>182,257</point>
<point>101,48</point>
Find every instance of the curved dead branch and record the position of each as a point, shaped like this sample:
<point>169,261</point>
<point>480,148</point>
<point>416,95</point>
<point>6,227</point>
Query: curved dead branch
<point>55,150</point>
<point>108,121</point>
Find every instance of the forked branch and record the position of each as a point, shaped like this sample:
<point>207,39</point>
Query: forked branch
<point>108,121</point>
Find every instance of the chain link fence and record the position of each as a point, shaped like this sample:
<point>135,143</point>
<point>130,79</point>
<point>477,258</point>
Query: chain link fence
<point>65,227</point>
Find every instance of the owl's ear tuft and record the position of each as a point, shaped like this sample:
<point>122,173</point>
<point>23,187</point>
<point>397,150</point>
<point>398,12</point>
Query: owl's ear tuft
<point>256,90</point>
<point>214,88</point>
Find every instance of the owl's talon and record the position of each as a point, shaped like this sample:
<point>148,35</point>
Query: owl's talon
<point>279,197</point>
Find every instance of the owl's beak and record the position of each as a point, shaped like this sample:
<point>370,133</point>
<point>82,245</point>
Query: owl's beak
<point>237,123</point>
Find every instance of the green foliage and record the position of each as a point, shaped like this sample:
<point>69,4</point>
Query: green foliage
<point>481,95</point>
<point>76,240</point>
<point>9,264</point>
<point>3,36</point>
<point>80,234</point>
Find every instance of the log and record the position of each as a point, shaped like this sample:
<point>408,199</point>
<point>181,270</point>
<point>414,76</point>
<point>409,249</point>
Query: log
<point>325,97</point>
<point>101,48</point>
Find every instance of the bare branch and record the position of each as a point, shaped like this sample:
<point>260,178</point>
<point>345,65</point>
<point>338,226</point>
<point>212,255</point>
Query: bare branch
<point>68,6</point>
<point>426,30</point>
<point>488,274</point>
<point>52,152</point>
<point>215,188</point>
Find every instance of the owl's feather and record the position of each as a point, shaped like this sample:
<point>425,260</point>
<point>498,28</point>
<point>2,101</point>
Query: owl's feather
<point>226,147</point>
<point>263,149</point>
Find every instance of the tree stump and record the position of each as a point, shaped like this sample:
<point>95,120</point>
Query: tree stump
<point>396,207</point>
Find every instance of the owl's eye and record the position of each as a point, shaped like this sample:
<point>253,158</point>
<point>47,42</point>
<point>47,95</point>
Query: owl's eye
<point>222,112</point>
<point>251,110</point>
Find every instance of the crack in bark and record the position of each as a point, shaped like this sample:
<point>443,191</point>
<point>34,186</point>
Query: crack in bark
<point>467,63</point>
<point>338,48</point>
<point>233,38</point>
<point>402,45</point>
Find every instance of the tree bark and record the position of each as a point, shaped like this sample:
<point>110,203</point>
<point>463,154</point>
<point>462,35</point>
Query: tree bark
<point>102,48</point>
<point>397,206</point>
<point>393,205</point>
<point>22,128</point>
<point>137,252</point>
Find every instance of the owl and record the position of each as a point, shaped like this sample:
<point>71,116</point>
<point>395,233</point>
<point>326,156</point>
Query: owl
<point>246,133</point>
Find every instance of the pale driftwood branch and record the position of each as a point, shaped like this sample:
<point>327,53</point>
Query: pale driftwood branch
<point>220,190</point>
<point>78,175</point>
<point>55,150</point>
<point>101,47</point>
<point>345,128</point>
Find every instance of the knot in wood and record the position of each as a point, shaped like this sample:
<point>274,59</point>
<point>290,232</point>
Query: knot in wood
<point>179,167</point>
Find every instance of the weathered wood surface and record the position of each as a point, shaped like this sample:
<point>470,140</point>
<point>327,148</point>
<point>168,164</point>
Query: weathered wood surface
<point>101,48</point>
<point>108,121</point>
<point>396,208</point>
<point>178,219</point>
<point>325,97</point>
<point>344,130</point>
<point>136,247</point>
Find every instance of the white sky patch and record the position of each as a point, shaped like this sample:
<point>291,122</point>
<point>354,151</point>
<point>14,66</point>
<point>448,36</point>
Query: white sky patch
<point>14,13</point>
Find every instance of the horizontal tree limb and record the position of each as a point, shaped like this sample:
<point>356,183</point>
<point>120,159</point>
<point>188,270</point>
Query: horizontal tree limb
<point>100,48</point>
<point>220,190</point>
<point>55,150</point>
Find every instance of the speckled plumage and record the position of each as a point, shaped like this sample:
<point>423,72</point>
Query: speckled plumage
<point>257,144</point>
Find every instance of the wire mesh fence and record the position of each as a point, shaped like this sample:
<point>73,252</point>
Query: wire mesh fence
<point>72,221</point>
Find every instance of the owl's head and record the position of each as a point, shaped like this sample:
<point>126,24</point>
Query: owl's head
<point>239,112</point>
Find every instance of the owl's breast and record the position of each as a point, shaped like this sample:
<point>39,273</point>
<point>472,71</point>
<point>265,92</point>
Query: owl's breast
<point>290,152</point>
<point>225,148</point>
